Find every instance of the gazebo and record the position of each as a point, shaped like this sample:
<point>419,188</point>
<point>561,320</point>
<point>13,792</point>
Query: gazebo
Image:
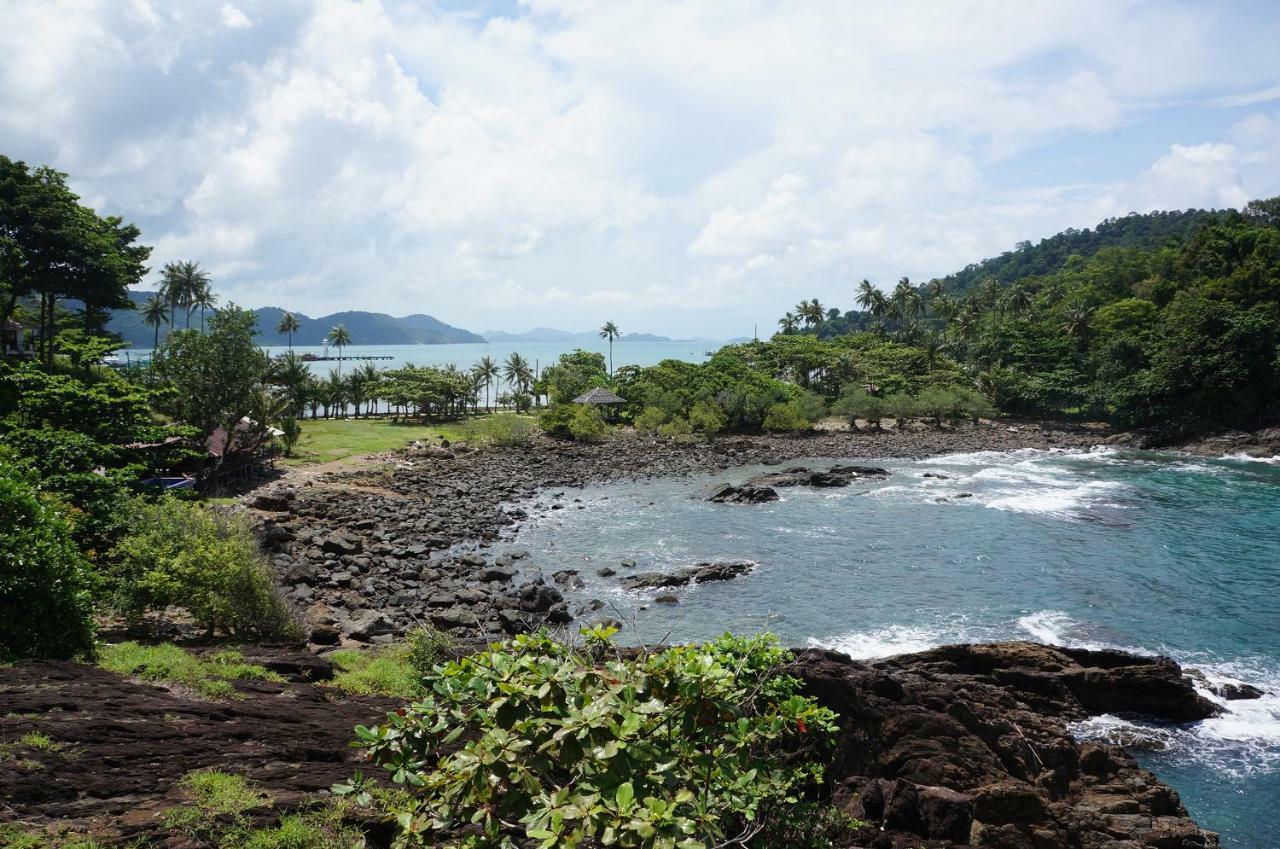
<point>602,398</point>
<point>12,339</point>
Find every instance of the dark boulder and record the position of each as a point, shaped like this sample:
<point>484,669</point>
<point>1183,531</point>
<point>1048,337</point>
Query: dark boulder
<point>744,494</point>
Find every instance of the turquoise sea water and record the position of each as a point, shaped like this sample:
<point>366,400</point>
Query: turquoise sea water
<point>465,355</point>
<point>1148,552</point>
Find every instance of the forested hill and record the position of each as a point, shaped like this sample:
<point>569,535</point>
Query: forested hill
<point>366,328</point>
<point>1145,230</point>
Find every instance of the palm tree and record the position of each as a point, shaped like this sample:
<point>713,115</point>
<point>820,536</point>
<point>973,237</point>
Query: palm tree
<point>288,325</point>
<point>356,389</point>
<point>789,323</point>
<point>934,345</point>
<point>867,295</point>
<point>205,300</point>
<point>291,374</point>
<point>335,393</point>
<point>517,373</point>
<point>610,332</point>
<point>154,313</point>
<point>372,386</point>
<point>1075,321</point>
<point>487,370</point>
<point>339,338</point>
<point>181,281</point>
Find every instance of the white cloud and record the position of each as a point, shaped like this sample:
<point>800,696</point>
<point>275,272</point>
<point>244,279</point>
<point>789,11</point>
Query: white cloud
<point>692,167</point>
<point>234,18</point>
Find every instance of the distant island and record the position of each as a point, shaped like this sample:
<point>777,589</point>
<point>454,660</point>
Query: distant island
<point>551,334</point>
<point>366,328</point>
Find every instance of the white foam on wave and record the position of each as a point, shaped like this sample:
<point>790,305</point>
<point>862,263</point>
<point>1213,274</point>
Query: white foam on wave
<point>882,642</point>
<point>1244,739</point>
<point>1242,457</point>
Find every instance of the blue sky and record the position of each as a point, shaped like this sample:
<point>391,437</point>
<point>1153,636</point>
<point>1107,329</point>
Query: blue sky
<point>684,168</point>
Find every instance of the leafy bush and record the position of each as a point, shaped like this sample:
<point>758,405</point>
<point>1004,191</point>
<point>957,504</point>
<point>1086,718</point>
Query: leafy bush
<point>856,403</point>
<point>901,406</point>
<point>166,662</point>
<point>706,417</point>
<point>46,603</point>
<point>428,646</point>
<point>291,433</point>
<point>183,554</point>
<point>587,425</point>
<point>506,429</point>
<point>685,747</point>
<point>811,406</point>
<point>651,420</point>
<point>677,430</point>
<point>788,417</point>
<point>557,421</point>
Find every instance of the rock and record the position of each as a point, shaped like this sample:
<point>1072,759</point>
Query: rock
<point>1233,691</point>
<point>325,635</point>
<point>493,573</point>
<point>720,571</point>
<point>745,494</point>
<point>836,476</point>
<point>564,576</point>
<point>340,544</point>
<point>365,624</point>
<point>473,560</point>
<point>275,501</point>
<point>628,564</point>
<point>666,598</point>
<point>606,572</point>
<point>655,580</point>
<point>452,618</point>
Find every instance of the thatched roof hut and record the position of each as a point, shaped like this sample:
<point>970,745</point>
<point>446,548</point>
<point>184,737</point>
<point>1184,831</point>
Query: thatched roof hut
<point>599,398</point>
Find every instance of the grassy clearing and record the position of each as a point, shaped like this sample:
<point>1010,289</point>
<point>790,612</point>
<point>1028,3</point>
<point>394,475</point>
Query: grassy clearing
<point>396,671</point>
<point>12,837</point>
<point>326,440</point>
<point>210,676</point>
<point>382,672</point>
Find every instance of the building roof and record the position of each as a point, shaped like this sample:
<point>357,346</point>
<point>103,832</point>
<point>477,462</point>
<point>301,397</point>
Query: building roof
<point>10,324</point>
<point>599,396</point>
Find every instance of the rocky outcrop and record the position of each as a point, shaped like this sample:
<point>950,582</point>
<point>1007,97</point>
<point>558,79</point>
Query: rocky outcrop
<point>836,476</point>
<point>697,574</point>
<point>970,746</point>
<point>727,493</point>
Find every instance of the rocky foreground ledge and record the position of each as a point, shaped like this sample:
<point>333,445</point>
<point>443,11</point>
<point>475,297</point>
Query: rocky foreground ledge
<point>965,745</point>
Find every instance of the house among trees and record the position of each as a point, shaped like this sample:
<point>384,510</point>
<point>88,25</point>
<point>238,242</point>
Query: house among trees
<point>13,341</point>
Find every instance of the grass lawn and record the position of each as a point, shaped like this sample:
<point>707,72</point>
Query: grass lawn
<point>326,440</point>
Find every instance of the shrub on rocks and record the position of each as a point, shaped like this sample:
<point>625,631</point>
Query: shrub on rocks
<point>505,429</point>
<point>182,554</point>
<point>692,746</point>
<point>786,418</point>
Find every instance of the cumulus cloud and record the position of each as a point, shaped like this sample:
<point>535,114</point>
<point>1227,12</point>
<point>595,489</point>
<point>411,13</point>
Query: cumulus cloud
<point>692,167</point>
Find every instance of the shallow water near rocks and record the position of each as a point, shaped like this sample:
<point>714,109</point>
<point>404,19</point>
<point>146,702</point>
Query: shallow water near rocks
<point>1156,553</point>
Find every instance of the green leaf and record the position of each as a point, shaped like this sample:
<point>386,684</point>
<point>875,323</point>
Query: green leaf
<point>624,796</point>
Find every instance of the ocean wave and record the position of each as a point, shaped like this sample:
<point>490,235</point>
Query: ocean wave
<point>882,642</point>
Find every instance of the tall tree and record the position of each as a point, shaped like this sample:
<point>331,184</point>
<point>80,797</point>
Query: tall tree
<point>154,314</point>
<point>610,332</point>
<point>487,369</point>
<point>53,247</point>
<point>288,325</point>
<point>340,338</point>
<point>204,299</point>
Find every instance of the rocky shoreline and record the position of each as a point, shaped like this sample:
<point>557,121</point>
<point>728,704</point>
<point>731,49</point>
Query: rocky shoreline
<point>367,555</point>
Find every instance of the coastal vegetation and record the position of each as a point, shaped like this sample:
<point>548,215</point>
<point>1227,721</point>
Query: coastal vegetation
<point>690,746</point>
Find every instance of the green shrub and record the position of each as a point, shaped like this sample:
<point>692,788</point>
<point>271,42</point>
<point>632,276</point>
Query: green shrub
<point>206,561</point>
<point>651,419</point>
<point>856,403</point>
<point>707,417</point>
<point>210,676</point>
<point>811,406</point>
<point>506,429</point>
<point>677,429</point>
<point>786,418</point>
<point>292,432</point>
<point>587,425</point>
<point>901,406</point>
<point>428,646</point>
<point>46,603</point>
<point>690,746</point>
<point>557,421</point>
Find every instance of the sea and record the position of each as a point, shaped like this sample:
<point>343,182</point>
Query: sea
<point>466,354</point>
<point>1155,553</point>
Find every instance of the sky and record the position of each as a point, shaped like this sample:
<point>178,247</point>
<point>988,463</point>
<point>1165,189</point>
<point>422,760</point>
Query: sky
<point>687,168</point>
